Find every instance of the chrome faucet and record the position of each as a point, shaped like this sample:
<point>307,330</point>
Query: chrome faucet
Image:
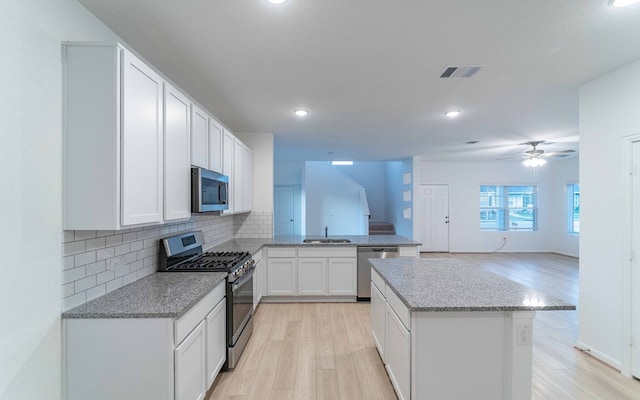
<point>326,231</point>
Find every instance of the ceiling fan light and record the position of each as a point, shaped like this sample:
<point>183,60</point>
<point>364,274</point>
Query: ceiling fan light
<point>301,112</point>
<point>453,113</point>
<point>534,162</point>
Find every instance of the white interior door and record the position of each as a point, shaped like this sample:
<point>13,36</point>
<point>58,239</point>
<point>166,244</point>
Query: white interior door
<point>283,211</point>
<point>433,201</point>
<point>635,267</point>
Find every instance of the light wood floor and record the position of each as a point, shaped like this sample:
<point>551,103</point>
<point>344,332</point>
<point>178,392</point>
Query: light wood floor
<point>325,350</point>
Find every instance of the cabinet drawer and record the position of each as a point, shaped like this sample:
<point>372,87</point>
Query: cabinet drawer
<point>378,281</point>
<point>193,317</point>
<point>401,310</point>
<point>281,252</point>
<point>257,256</point>
<point>327,252</point>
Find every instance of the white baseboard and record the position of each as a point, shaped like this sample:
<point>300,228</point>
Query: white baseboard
<point>612,362</point>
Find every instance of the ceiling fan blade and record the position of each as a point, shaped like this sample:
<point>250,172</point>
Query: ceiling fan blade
<point>512,157</point>
<point>562,153</point>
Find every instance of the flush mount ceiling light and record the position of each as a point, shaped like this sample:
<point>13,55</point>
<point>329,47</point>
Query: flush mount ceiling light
<point>534,162</point>
<point>277,1</point>
<point>341,162</point>
<point>621,3</point>
<point>453,113</point>
<point>301,112</point>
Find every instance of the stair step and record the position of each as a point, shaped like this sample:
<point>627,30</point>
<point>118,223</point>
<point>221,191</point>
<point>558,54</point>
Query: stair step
<point>381,228</point>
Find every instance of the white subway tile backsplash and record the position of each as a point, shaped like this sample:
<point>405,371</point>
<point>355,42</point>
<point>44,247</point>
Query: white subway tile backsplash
<point>103,254</point>
<point>85,258</point>
<point>122,249</point>
<point>82,235</point>
<point>114,240</point>
<point>96,268</point>
<point>94,244</point>
<point>105,277</point>
<point>87,255</point>
<point>96,292</point>
<point>73,248</point>
<point>74,274</point>
<point>85,283</point>
<point>114,284</point>
<point>73,301</point>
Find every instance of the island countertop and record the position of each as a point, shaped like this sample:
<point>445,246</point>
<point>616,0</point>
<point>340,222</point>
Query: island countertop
<point>449,284</point>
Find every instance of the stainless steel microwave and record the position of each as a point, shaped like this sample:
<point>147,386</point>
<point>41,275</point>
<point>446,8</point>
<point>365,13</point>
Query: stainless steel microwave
<point>209,191</point>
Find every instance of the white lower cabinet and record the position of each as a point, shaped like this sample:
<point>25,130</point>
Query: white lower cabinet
<point>190,366</point>
<point>216,344</point>
<point>259,279</point>
<point>398,355</point>
<point>379,321</point>
<point>312,271</point>
<point>391,335</point>
<point>146,358</point>
<point>312,276</point>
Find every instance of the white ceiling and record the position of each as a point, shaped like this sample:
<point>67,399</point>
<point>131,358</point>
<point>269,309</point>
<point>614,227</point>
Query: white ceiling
<point>368,70</point>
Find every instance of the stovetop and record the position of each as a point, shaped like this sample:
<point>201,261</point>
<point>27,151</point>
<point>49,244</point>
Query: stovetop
<point>213,261</point>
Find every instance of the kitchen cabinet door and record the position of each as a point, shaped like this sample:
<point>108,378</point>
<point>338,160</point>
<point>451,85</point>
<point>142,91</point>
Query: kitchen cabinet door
<point>343,279</point>
<point>238,175</point>
<point>379,321</point>
<point>398,354</point>
<point>282,276</point>
<point>177,172</point>
<point>312,276</point>
<point>190,374</point>
<point>142,143</point>
<point>215,146</point>
<point>199,137</point>
<point>216,343</point>
<point>247,179</point>
<point>258,282</point>
<point>228,152</point>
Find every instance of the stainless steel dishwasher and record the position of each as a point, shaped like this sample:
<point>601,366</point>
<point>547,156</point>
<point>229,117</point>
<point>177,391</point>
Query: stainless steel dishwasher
<point>364,268</point>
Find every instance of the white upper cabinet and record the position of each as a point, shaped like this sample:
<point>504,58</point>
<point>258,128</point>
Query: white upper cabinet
<point>228,151</point>
<point>177,174</point>
<point>215,145</point>
<point>243,178</point>
<point>113,139</point>
<point>199,137</point>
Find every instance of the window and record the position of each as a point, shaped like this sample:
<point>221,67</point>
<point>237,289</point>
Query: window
<point>573,207</point>
<point>508,208</point>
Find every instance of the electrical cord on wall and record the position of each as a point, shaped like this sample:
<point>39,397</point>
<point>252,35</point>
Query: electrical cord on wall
<point>504,242</point>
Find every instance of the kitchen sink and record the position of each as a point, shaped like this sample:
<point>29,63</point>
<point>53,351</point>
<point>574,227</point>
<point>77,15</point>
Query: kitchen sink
<point>321,241</point>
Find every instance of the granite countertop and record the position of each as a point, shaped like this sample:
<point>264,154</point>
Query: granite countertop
<point>253,245</point>
<point>160,295</point>
<point>449,284</point>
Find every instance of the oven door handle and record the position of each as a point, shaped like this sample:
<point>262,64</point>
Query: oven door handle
<point>241,281</point>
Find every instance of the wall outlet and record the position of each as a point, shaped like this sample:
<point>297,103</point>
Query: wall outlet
<point>523,334</point>
<point>115,262</point>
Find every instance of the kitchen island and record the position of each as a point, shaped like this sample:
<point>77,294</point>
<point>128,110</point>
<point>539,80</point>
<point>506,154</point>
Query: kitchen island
<point>448,330</point>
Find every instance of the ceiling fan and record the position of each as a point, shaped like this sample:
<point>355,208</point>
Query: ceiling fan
<point>535,157</point>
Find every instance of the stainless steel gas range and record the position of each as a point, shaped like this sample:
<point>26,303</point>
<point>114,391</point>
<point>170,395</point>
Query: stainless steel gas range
<point>183,253</point>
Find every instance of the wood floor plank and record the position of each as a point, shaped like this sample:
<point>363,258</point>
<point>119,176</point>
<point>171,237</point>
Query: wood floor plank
<point>327,385</point>
<point>287,365</point>
<point>281,394</point>
<point>265,376</point>
<point>345,369</point>
<point>306,382</point>
<point>308,328</point>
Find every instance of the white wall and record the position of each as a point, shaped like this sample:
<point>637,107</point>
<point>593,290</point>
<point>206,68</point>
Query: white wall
<point>608,112</point>
<point>371,175</point>
<point>464,180</point>
<point>563,173</point>
<point>31,32</point>
<point>394,193</point>
<point>332,200</point>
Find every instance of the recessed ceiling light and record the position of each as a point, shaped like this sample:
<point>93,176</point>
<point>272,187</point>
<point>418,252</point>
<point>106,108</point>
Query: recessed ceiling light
<point>621,3</point>
<point>277,1</point>
<point>453,113</point>
<point>341,162</point>
<point>301,112</point>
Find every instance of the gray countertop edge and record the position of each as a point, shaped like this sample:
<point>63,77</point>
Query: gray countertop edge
<point>106,306</point>
<point>567,307</point>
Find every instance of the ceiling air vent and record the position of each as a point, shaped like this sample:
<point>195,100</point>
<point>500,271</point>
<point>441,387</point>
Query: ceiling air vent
<point>460,71</point>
